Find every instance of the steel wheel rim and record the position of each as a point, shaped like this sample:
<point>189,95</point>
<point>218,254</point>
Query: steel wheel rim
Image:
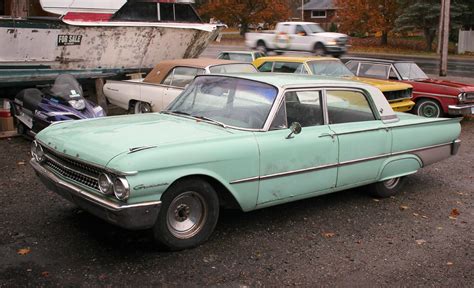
<point>186,215</point>
<point>391,183</point>
<point>429,110</point>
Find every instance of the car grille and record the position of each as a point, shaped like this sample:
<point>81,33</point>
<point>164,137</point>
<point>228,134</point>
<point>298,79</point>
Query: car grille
<point>398,95</point>
<point>470,96</point>
<point>77,171</point>
<point>341,41</point>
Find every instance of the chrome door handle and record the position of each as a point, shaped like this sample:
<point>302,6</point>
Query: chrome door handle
<point>327,135</point>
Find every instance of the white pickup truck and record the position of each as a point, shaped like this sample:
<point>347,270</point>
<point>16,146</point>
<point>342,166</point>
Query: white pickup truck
<point>298,36</point>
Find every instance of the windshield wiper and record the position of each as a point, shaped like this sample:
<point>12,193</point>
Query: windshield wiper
<point>209,120</point>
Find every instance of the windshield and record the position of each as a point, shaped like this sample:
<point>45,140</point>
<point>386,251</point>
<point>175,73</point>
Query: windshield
<point>67,88</point>
<point>234,102</point>
<point>314,28</point>
<point>410,71</point>
<point>329,68</point>
<point>233,68</point>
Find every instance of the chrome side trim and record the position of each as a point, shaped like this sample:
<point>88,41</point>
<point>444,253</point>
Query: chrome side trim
<point>344,163</point>
<point>435,94</point>
<point>105,203</point>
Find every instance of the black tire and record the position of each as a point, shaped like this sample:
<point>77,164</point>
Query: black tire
<point>386,188</point>
<point>428,108</point>
<point>319,50</point>
<point>188,199</point>
<point>139,107</point>
<point>261,47</point>
<point>21,129</point>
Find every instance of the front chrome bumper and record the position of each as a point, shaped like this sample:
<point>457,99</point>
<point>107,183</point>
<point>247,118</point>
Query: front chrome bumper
<point>130,216</point>
<point>461,109</point>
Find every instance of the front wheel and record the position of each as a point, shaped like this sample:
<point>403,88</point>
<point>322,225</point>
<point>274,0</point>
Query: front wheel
<point>140,107</point>
<point>387,188</point>
<point>428,108</point>
<point>319,50</point>
<point>188,215</point>
<point>261,47</point>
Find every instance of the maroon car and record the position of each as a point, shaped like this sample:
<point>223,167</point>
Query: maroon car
<point>433,98</point>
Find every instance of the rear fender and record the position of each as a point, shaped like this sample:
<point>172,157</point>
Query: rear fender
<point>399,166</point>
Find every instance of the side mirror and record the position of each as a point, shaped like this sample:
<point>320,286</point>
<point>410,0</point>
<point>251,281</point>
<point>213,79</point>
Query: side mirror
<point>295,128</point>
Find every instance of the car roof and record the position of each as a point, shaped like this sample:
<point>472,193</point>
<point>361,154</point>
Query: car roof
<point>388,61</point>
<point>300,59</point>
<point>161,70</point>
<point>284,80</point>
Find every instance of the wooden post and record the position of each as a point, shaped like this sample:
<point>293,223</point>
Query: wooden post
<point>443,67</point>
<point>99,92</point>
<point>440,29</point>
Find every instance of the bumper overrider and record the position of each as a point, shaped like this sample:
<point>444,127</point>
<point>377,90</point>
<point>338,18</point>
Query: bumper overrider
<point>461,109</point>
<point>130,216</point>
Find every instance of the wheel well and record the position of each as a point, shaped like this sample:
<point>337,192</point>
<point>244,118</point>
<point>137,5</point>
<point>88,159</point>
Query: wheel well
<point>319,44</point>
<point>226,199</point>
<point>261,42</point>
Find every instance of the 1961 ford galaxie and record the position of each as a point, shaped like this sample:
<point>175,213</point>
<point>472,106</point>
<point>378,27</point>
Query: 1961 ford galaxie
<point>247,141</point>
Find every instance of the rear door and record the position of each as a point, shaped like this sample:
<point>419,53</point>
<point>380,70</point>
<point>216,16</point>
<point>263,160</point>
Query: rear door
<point>364,141</point>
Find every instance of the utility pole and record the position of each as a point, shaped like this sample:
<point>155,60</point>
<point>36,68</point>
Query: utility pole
<point>440,29</point>
<point>302,10</point>
<point>443,63</point>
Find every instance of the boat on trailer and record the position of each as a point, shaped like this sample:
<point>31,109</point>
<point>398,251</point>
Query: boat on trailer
<point>99,44</point>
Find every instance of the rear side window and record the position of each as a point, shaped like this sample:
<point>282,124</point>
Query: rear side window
<point>266,67</point>
<point>345,106</point>
<point>181,76</point>
<point>374,70</point>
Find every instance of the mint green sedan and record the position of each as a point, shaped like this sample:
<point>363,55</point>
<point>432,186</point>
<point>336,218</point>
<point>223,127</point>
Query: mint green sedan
<point>242,141</point>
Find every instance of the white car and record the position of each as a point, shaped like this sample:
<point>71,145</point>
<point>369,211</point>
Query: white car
<point>244,56</point>
<point>165,82</point>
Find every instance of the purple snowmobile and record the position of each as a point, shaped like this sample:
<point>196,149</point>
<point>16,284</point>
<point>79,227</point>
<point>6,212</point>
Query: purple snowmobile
<point>36,109</point>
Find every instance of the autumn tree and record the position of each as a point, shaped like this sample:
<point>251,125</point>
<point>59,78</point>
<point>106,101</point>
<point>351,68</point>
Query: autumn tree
<point>246,12</point>
<point>368,16</point>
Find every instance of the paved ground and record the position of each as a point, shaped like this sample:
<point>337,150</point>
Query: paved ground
<point>343,239</point>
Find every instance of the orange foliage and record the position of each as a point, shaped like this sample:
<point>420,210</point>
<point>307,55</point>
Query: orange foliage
<point>367,16</point>
<point>245,12</point>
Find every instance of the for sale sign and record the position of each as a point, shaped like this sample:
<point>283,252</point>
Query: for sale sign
<point>68,40</point>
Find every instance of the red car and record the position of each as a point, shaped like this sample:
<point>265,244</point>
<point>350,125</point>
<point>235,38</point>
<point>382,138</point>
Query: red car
<point>433,98</point>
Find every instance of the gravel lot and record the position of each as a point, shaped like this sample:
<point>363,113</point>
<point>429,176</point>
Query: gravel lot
<point>343,239</point>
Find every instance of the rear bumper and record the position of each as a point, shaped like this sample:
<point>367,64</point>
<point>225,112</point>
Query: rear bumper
<point>402,105</point>
<point>129,216</point>
<point>461,110</point>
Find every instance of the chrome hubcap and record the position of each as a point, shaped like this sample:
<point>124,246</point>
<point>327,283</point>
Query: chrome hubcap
<point>141,107</point>
<point>391,183</point>
<point>186,215</point>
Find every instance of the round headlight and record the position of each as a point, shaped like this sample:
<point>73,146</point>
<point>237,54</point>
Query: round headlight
<point>105,184</point>
<point>121,188</point>
<point>37,152</point>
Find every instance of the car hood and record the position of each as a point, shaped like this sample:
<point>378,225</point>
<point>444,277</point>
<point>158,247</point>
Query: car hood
<point>452,84</point>
<point>100,140</point>
<point>383,85</point>
<point>330,35</point>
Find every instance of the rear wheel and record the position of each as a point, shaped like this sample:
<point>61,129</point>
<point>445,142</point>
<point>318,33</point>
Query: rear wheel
<point>188,215</point>
<point>428,108</point>
<point>140,107</point>
<point>319,50</point>
<point>386,188</point>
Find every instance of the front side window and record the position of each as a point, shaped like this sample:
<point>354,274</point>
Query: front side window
<point>314,28</point>
<point>379,71</point>
<point>181,76</point>
<point>410,71</point>
<point>352,66</point>
<point>329,68</point>
<point>303,107</point>
<point>345,106</point>
<point>235,102</point>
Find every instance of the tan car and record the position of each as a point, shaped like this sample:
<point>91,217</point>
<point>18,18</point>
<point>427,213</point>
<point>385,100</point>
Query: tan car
<point>398,94</point>
<point>165,82</point>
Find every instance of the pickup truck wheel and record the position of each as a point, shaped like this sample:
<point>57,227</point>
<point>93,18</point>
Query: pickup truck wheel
<point>319,49</point>
<point>188,215</point>
<point>386,188</point>
<point>428,108</point>
<point>261,47</point>
<point>140,107</point>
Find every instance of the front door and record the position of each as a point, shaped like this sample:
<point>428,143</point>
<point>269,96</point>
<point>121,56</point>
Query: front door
<point>301,165</point>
